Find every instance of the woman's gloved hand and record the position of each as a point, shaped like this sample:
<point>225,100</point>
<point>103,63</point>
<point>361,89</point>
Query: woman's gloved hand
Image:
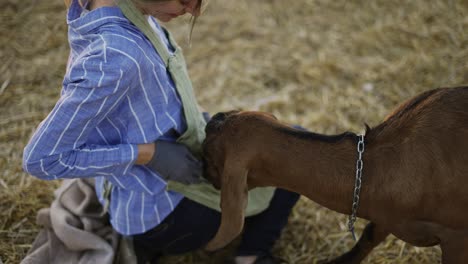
<point>174,161</point>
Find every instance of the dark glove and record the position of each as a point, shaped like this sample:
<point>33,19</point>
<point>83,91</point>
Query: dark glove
<point>174,161</point>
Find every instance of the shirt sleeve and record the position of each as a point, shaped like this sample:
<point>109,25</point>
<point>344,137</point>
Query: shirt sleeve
<point>94,86</point>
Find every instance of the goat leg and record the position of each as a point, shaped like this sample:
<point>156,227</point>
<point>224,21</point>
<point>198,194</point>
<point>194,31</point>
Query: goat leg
<point>371,237</point>
<point>454,250</point>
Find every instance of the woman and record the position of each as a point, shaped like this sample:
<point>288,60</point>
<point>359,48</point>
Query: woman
<point>128,118</point>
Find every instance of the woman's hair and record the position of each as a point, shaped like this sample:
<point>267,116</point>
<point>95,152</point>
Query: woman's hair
<point>68,2</point>
<point>198,8</point>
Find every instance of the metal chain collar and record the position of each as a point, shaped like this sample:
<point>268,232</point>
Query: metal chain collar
<point>357,186</point>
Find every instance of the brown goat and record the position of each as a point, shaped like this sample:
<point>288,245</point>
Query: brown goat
<point>414,181</point>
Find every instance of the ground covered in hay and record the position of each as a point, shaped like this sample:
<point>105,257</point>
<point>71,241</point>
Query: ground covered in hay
<point>330,66</point>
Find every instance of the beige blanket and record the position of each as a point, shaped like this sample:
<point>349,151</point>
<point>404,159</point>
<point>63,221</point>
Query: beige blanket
<point>76,230</point>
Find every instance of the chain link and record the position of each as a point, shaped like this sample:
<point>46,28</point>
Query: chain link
<point>357,186</point>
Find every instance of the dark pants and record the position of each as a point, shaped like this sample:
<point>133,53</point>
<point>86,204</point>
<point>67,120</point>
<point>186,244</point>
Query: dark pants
<point>191,225</point>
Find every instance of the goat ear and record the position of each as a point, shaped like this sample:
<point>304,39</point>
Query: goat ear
<point>217,121</point>
<point>234,197</point>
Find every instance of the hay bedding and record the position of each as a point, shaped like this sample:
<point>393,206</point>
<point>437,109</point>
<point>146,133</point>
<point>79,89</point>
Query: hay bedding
<point>327,65</point>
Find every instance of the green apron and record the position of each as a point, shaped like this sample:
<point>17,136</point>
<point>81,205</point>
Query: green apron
<point>203,193</point>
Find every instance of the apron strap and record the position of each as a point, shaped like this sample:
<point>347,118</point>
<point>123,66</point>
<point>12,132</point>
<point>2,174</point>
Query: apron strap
<point>175,63</point>
<point>136,17</point>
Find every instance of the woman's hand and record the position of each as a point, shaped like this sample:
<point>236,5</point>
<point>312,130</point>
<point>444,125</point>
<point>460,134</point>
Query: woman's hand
<point>174,161</point>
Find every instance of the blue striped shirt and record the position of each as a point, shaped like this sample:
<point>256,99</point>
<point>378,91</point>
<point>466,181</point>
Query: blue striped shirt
<point>116,94</point>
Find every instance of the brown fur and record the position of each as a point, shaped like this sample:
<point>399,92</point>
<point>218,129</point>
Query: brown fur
<point>415,176</point>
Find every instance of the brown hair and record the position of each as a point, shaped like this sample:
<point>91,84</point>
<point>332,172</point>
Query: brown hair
<point>192,20</point>
<point>198,7</point>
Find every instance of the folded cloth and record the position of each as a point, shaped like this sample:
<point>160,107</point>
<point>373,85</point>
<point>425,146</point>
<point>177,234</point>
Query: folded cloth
<point>77,230</point>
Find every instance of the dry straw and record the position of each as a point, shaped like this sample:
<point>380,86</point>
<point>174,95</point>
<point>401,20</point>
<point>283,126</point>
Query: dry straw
<point>330,66</point>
